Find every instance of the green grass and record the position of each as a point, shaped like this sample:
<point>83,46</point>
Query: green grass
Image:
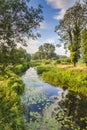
<point>72,79</point>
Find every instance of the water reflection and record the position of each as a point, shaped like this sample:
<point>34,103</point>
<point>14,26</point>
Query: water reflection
<point>38,94</point>
<point>76,106</point>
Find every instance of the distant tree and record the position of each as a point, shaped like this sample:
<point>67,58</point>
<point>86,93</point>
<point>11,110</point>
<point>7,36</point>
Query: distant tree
<point>37,56</point>
<point>84,45</point>
<point>70,28</point>
<point>19,56</point>
<point>17,19</point>
<point>58,45</point>
<point>47,51</point>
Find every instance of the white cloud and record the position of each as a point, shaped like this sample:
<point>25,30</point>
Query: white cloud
<point>32,45</point>
<point>63,5</point>
<point>49,40</point>
<point>61,51</point>
<point>43,25</point>
<point>60,14</point>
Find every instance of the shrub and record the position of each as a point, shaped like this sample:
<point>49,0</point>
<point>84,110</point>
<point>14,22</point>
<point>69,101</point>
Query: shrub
<point>16,84</point>
<point>20,68</point>
<point>41,69</point>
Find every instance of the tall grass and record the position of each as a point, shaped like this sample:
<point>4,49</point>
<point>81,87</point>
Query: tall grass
<point>75,80</point>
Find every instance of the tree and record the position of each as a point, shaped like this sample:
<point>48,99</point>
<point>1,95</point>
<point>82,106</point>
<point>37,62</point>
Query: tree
<point>70,28</point>
<point>17,19</point>
<point>37,56</point>
<point>84,45</point>
<point>47,51</point>
<point>19,56</point>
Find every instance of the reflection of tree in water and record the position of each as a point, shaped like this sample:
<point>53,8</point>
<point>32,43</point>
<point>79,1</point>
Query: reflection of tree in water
<point>69,113</point>
<point>74,111</point>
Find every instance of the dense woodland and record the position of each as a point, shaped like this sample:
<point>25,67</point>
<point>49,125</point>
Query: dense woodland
<point>17,20</point>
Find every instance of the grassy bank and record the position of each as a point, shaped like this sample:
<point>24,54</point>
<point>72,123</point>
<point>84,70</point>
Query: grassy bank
<point>72,79</point>
<point>11,109</point>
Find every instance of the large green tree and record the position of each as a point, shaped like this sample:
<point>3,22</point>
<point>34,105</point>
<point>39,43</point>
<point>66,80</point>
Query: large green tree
<point>46,51</point>
<point>70,28</point>
<point>84,45</point>
<point>17,20</point>
<point>19,56</point>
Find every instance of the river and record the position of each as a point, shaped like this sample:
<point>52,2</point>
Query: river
<point>38,92</point>
<point>39,96</point>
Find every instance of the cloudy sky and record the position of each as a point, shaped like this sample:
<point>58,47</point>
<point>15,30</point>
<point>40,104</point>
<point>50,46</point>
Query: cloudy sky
<point>53,11</point>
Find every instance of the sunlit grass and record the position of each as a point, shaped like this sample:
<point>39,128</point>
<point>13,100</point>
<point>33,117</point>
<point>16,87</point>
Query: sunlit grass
<point>67,76</point>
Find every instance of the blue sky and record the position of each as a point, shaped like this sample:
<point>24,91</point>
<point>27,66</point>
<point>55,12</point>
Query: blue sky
<point>53,11</point>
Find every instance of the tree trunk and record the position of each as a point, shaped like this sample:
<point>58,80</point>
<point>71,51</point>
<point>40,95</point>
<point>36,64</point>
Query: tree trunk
<point>74,64</point>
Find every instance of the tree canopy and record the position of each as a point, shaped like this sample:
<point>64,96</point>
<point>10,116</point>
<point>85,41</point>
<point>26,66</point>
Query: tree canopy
<point>17,20</point>
<point>70,29</point>
<point>84,45</point>
<point>46,51</point>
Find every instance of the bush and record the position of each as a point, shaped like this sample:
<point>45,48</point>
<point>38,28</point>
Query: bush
<point>41,69</point>
<point>16,84</point>
<point>47,62</point>
<point>34,63</point>
<point>11,109</point>
<point>63,61</point>
<point>20,68</point>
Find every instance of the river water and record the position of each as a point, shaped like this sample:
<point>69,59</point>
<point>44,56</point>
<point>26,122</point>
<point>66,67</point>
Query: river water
<point>37,93</point>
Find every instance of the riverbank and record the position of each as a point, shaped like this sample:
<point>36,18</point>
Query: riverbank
<point>67,77</point>
<point>11,90</point>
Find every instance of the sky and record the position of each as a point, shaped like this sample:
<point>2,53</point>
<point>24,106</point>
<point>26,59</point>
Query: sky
<point>53,12</point>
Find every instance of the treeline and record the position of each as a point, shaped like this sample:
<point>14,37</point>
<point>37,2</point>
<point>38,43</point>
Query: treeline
<point>72,30</point>
<point>17,61</point>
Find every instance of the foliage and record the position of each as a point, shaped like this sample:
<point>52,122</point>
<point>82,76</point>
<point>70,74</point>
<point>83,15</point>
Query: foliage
<point>66,121</point>
<point>71,34</point>
<point>18,61</point>
<point>41,69</point>
<point>46,51</point>
<point>34,63</point>
<point>17,20</point>
<point>65,60</point>
<point>84,46</point>
<point>19,56</point>
<point>76,107</point>
<point>72,79</point>
<point>36,56</point>
<point>11,111</point>
<point>18,69</point>
<point>16,84</point>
